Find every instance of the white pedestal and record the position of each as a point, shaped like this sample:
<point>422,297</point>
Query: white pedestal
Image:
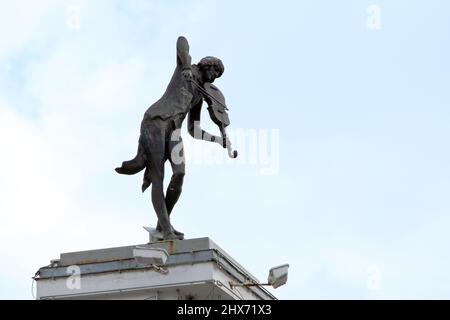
<point>194,269</point>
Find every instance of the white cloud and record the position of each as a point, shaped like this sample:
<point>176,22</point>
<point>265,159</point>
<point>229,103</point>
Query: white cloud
<point>38,205</point>
<point>23,23</point>
<point>113,87</point>
<point>31,193</point>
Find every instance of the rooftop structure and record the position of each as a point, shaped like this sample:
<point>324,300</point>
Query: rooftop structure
<point>177,269</point>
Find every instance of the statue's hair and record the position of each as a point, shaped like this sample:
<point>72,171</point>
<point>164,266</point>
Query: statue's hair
<point>212,61</point>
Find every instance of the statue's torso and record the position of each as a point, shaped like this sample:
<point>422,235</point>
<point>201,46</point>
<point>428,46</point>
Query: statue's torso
<point>178,99</point>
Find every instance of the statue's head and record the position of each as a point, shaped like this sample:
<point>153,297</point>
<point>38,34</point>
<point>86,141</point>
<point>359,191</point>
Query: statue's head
<point>211,68</point>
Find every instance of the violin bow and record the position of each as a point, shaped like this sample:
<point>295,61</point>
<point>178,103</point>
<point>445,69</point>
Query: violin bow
<point>202,90</point>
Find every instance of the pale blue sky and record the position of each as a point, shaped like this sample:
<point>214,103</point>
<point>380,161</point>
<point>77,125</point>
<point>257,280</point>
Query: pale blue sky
<point>364,155</point>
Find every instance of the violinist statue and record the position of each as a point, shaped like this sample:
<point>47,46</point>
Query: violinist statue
<point>160,138</point>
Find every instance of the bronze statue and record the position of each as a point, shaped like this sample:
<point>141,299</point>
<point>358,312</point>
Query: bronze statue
<point>160,140</point>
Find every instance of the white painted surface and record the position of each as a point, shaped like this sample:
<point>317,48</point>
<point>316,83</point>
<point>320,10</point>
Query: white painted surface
<point>195,269</point>
<point>132,280</point>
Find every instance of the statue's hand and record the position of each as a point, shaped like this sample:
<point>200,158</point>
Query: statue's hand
<point>187,74</point>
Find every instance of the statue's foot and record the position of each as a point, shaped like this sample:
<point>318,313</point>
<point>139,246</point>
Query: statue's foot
<point>178,233</point>
<point>172,236</point>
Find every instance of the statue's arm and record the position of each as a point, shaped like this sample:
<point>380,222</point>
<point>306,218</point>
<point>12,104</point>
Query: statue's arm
<point>183,57</point>
<point>194,126</point>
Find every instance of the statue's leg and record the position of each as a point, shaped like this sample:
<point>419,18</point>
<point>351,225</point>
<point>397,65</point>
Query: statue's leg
<point>159,204</point>
<point>154,144</point>
<point>177,161</point>
<point>135,165</point>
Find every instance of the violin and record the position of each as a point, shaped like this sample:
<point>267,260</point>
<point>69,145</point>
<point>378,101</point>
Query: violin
<point>218,112</point>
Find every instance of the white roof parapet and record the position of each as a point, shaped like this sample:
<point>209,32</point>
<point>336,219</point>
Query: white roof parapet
<point>184,254</point>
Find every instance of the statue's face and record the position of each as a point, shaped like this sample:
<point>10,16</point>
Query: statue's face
<point>210,73</point>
